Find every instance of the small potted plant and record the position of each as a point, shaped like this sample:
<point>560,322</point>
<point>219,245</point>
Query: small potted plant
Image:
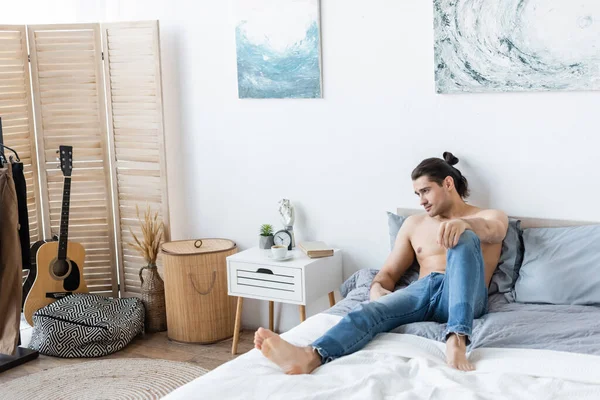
<point>265,240</point>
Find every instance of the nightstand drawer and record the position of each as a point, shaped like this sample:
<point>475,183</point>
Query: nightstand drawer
<point>265,281</point>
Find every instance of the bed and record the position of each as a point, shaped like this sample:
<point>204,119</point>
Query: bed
<point>522,350</point>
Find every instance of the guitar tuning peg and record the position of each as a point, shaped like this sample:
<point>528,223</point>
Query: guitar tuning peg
<point>57,151</point>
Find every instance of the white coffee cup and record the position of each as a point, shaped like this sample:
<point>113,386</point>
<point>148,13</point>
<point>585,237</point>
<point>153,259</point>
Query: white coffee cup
<point>279,252</point>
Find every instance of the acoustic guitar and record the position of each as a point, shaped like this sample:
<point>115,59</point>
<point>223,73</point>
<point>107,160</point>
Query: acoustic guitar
<point>59,264</point>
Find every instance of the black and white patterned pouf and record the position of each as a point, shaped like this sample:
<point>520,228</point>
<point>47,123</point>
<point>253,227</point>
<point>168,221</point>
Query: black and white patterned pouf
<point>86,325</point>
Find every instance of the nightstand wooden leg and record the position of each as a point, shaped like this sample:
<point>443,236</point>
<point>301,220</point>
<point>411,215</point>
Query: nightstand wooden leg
<point>271,315</point>
<point>331,299</point>
<point>236,329</point>
<point>302,313</point>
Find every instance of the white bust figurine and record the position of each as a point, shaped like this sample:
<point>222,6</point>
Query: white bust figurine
<point>286,210</point>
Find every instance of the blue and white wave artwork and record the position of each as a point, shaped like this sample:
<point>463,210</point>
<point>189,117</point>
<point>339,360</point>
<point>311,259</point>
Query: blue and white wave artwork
<point>266,70</point>
<point>516,45</point>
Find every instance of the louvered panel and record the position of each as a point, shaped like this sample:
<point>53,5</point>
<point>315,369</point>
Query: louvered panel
<point>133,85</point>
<point>70,110</point>
<point>17,115</point>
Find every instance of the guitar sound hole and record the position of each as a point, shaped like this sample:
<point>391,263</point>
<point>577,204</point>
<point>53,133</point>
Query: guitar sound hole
<point>60,268</point>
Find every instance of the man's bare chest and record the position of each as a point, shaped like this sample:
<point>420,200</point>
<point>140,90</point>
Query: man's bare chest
<point>424,240</point>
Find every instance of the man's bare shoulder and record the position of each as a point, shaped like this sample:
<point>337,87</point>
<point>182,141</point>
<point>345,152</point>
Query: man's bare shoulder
<point>416,218</point>
<point>491,214</point>
<point>414,221</point>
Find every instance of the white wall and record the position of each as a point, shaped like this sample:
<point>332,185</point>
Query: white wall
<point>346,159</point>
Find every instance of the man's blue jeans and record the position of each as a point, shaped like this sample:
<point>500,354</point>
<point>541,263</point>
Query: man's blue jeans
<point>456,297</point>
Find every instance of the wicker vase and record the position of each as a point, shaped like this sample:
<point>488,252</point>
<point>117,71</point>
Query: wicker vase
<point>153,297</point>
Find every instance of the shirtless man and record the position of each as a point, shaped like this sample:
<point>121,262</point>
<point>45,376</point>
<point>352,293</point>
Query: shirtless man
<point>457,246</point>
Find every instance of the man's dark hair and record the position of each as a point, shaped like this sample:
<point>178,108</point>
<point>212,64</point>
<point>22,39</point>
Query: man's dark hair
<point>437,170</point>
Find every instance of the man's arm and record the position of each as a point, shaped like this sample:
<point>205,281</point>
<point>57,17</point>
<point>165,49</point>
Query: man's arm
<point>399,260</point>
<point>491,226</point>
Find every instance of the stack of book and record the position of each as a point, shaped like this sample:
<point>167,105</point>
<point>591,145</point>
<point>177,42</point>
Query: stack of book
<point>316,249</point>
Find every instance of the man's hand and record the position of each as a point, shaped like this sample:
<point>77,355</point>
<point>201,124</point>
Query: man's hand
<point>450,231</point>
<point>377,291</point>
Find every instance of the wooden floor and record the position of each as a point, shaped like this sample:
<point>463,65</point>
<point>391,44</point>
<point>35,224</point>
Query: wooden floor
<point>154,345</point>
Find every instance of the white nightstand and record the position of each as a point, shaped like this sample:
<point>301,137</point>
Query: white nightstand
<point>299,280</point>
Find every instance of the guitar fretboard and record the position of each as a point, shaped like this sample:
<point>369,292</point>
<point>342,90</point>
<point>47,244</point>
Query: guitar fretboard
<point>64,220</point>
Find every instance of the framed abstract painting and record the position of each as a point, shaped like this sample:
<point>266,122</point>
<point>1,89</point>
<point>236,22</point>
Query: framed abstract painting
<point>278,46</point>
<point>516,45</point>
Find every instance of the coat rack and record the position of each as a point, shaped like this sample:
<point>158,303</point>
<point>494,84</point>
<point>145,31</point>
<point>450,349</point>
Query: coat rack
<point>23,354</point>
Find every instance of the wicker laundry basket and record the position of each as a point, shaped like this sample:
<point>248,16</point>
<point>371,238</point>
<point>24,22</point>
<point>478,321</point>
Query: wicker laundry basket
<point>195,276</point>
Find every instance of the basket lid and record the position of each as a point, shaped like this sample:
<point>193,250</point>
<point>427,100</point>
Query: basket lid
<point>197,246</point>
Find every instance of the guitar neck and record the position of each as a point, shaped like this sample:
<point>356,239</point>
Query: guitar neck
<point>64,220</point>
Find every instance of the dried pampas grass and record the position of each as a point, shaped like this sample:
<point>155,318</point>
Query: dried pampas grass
<point>152,232</point>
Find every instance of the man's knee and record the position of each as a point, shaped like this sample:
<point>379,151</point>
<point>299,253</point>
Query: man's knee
<point>468,241</point>
<point>468,244</point>
<point>468,238</point>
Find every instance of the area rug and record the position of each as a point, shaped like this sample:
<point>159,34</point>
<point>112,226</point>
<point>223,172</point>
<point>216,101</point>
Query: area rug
<point>126,378</point>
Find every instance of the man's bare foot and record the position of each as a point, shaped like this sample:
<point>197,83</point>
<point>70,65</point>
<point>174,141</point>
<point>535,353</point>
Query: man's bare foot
<point>456,353</point>
<point>292,359</point>
<point>260,335</point>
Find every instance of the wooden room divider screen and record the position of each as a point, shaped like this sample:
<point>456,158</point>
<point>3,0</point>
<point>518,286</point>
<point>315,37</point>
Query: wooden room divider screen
<point>17,115</point>
<point>135,110</point>
<point>96,87</point>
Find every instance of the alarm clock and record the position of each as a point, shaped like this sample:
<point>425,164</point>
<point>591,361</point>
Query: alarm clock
<point>283,238</point>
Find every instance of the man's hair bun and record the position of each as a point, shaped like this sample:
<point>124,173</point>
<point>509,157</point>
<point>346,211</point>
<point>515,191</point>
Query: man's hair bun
<point>449,158</point>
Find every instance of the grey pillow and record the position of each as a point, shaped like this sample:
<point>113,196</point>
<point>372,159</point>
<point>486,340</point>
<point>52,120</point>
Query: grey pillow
<point>394,223</point>
<point>505,276</point>
<point>560,266</point>
<point>412,274</point>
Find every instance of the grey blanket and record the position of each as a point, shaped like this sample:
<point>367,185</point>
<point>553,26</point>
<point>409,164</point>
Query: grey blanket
<point>515,325</point>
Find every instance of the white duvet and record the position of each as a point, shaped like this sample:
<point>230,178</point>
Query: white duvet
<point>402,367</point>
